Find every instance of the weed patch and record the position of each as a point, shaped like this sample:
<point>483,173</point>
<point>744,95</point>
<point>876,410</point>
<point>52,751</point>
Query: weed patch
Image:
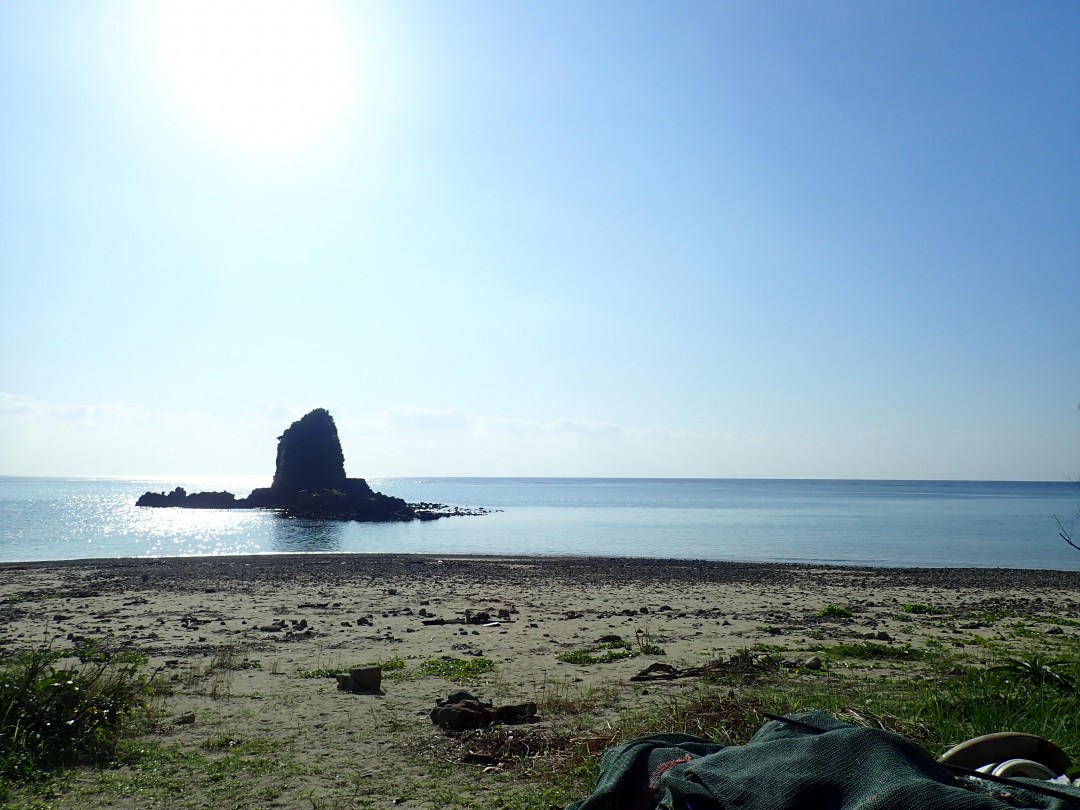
<point>872,651</point>
<point>602,653</point>
<point>458,670</point>
<point>54,716</point>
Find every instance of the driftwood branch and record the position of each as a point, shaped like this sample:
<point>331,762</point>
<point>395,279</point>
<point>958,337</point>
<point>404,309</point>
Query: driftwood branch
<point>1066,536</point>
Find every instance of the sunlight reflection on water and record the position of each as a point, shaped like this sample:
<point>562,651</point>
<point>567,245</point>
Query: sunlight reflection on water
<point>860,523</point>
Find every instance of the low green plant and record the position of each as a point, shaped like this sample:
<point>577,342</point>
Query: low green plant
<point>1022,630</point>
<point>391,665</point>
<point>873,651</point>
<point>834,612</point>
<point>102,650</point>
<point>1038,670</point>
<point>53,716</point>
<point>228,742</point>
<point>323,672</point>
<point>601,653</point>
<point>458,670</point>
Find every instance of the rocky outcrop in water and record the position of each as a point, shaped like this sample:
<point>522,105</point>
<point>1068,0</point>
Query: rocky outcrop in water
<point>310,482</point>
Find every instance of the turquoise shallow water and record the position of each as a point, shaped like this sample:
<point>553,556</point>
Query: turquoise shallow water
<point>882,523</point>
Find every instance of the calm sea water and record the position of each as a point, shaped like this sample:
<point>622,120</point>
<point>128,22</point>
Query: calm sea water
<point>882,523</point>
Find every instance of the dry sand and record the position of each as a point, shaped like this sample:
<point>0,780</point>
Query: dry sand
<point>335,611</point>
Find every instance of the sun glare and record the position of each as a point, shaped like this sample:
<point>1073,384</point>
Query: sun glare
<point>269,73</point>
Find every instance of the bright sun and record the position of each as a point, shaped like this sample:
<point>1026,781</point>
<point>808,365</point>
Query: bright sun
<point>270,73</point>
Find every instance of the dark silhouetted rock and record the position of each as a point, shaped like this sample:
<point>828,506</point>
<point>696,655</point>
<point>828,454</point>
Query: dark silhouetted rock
<point>196,500</point>
<point>309,458</point>
<point>310,482</point>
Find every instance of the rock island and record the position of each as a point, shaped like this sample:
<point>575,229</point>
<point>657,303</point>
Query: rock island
<point>310,481</point>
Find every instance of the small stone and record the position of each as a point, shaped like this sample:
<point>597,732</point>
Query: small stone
<point>361,679</point>
<point>814,663</point>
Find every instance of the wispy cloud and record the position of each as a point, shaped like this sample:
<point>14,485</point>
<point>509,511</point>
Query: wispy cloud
<point>17,405</point>
<point>459,421</point>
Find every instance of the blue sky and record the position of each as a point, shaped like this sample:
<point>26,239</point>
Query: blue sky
<point>768,239</point>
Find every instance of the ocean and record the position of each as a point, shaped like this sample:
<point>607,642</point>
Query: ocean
<point>875,523</point>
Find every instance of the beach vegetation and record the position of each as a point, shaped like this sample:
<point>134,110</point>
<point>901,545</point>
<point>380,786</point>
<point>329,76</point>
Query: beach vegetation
<point>392,669</point>
<point>763,647</point>
<point>230,658</point>
<point>236,744</point>
<point>55,714</point>
<point>246,773</point>
<point>603,653</point>
<point>1038,670</point>
<point>457,670</point>
<point>874,651</point>
<point>1022,630</point>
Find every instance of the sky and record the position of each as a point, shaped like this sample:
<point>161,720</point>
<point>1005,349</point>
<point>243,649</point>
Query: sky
<point>698,239</point>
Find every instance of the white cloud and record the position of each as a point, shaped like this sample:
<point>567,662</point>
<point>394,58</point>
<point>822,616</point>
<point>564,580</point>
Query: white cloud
<point>22,406</point>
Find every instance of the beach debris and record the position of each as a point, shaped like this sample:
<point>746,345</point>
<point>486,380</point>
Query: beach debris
<point>740,663</point>
<point>462,711</point>
<point>361,680</point>
<point>880,635</point>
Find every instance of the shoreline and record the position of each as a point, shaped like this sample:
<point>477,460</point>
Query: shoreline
<point>343,566</point>
<point>243,643</point>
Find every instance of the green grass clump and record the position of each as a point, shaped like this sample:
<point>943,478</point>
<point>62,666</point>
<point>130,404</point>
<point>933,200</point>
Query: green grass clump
<point>394,665</point>
<point>53,715</point>
<point>1038,670</point>
<point>834,612</point>
<point>323,672</point>
<point>458,670</point>
<point>872,651</point>
<point>602,653</point>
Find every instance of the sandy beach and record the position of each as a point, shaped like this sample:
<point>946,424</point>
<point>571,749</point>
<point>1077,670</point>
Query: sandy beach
<point>267,621</point>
